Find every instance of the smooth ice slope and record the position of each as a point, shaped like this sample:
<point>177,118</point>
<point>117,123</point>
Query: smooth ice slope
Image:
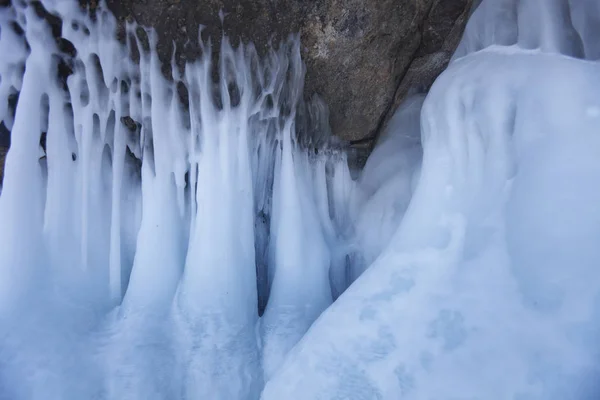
<point>160,245</point>
<point>486,289</point>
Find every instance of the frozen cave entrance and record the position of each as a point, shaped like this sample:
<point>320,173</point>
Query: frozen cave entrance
<point>217,245</point>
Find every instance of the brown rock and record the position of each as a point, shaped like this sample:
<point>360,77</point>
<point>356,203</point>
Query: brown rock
<point>441,34</point>
<point>362,56</point>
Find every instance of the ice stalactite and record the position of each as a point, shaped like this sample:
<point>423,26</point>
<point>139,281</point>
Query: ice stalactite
<point>23,225</point>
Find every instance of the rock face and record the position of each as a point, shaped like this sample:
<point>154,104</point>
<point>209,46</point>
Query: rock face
<point>441,33</point>
<point>362,56</point>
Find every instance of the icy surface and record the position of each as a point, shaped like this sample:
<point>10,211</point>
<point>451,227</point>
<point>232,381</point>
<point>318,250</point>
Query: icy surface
<point>187,239</point>
<point>487,289</point>
<point>569,27</point>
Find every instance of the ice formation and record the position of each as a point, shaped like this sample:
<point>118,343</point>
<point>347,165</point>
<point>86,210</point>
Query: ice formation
<point>190,238</point>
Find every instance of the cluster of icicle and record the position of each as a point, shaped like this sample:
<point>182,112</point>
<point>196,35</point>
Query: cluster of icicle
<point>169,218</point>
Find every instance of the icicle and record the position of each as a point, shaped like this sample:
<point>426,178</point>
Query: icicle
<point>21,203</point>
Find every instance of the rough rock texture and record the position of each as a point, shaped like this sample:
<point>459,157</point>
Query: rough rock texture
<point>362,56</point>
<point>441,33</point>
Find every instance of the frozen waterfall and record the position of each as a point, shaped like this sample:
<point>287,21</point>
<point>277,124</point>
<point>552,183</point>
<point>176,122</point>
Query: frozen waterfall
<point>200,237</point>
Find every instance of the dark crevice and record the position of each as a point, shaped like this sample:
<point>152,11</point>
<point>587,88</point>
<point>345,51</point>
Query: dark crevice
<point>53,21</point>
<point>372,136</point>
<point>390,109</point>
<point>4,135</point>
